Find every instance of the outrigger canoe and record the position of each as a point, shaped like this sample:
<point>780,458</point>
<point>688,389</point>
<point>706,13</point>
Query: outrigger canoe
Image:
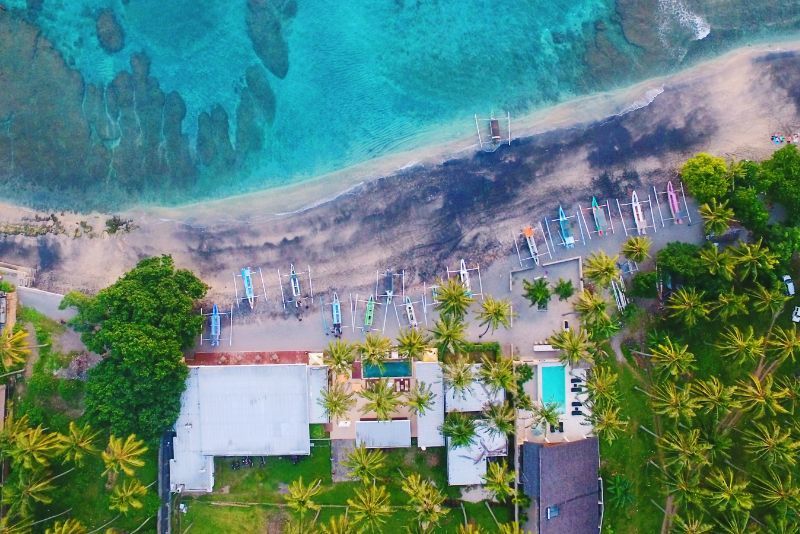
<point>369,315</point>
<point>638,214</point>
<point>463,274</point>
<point>566,229</point>
<point>295,281</point>
<point>215,326</point>
<point>410,313</point>
<point>336,308</point>
<point>674,207</point>
<point>599,217</point>
<point>247,280</point>
<point>527,232</point>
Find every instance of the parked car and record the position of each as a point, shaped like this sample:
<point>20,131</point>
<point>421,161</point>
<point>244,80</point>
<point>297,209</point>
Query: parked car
<point>787,281</point>
<point>796,314</point>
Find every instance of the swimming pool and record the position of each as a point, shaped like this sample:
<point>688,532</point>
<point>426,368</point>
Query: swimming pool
<point>554,387</point>
<point>390,369</point>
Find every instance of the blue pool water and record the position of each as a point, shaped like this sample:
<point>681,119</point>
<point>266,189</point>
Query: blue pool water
<point>554,387</point>
<point>390,369</point>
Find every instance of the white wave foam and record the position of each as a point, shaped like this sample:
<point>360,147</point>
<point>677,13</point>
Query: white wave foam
<point>645,101</point>
<point>685,17</point>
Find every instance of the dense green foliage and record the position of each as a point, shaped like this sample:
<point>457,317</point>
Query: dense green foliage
<point>141,323</point>
<point>706,177</point>
<point>782,174</point>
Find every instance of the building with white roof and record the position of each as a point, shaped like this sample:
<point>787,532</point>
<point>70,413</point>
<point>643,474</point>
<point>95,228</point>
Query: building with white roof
<point>430,422</point>
<point>383,434</point>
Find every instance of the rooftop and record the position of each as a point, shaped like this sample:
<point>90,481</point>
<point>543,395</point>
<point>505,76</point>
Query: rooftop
<point>384,434</point>
<point>428,424</point>
<point>466,466</point>
<point>474,398</point>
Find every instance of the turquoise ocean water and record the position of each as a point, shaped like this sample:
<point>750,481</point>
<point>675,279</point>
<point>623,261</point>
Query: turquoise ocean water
<point>364,77</point>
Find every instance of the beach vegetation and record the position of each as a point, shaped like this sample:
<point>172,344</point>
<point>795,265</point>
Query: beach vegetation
<point>782,174</point>
<point>337,400</point>
<point>573,345</point>
<point>499,480</point>
<point>124,456</point>
<point>374,349</point>
<point>369,507</point>
<point>382,399</point>
<point>141,324</point>
<point>637,248</point>
<point>498,374</point>
<point>365,464</point>
<point>494,313</point>
<point>460,429</point>
<point>339,356</point>
<point>127,496</point>
<point>601,268</point>
<point>706,177</point>
<point>7,287</point>
<point>425,500</point>
<point>300,496</point>
<point>449,336</point>
<point>459,375</point>
<point>412,343</point>
<point>420,399</point>
<point>14,349</point>
<point>645,285</point>
<point>749,208</point>
<point>498,418</point>
<point>537,292</point>
<point>717,216</point>
<point>453,299</point>
<point>564,289</point>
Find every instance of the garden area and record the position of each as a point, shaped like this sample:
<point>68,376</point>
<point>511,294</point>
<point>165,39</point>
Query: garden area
<point>256,497</point>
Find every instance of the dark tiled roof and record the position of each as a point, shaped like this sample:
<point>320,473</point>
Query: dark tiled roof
<point>566,476</point>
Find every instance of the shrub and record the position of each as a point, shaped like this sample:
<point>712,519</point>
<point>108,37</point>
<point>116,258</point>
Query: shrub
<point>644,285</point>
<point>749,209</point>
<point>706,177</point>
<point>7,287</point>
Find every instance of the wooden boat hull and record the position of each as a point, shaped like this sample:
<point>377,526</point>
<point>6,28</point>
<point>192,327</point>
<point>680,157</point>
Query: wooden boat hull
<point>638,214</point>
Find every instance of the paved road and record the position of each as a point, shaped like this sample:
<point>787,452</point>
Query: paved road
<point>45,303</point>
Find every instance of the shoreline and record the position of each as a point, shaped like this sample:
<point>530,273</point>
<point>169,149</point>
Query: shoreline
<point>295,198</point>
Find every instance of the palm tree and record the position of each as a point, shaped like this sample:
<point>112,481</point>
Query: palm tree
<point>776,492</point>
<point>607,422</point>
<point>785,343</point>
<point>122,456</point>
<point>70,526</point>
<point>715,397</point>
<point>13,348</point>
<point>470,528</point>
<point>753,258</point>
<point>758,396</point>
<point>338,524</point>
<point>34,447</point>
<point>460,428</point>
<point>499,480</point>
<point>30,487</point>
<point>601,268</point>
<point>127,496</point>
<point>717,216</point>
<point>336,400</point>
<point>591,307</point>
<point>718,262</point>
<point>691,525</point>
<point>498,374</point>
<point>453,300</point>
<point>78,443</point>
<point>741,346</point>
<point>420,399</point>
<point>382,399</point>
<point>687,305</point>
<point>449,335</point>
<point>300,497</point>
<point>767,300</point>
<point>375,349</point>
<point>458,375</point>
<point>601,385</point>
<point>564,289</point>
<point>685,449</point>
<point>672,359</point>
<point>780,524</point>
<point>773,444</point>
<point>619,492</point>
<point>673,402</point>
<point>730,304</point>
<point>510,528</point>
<point>537,292</point>
<point>573,344</point>
<point>365,464</point>
<point>499,418</point>
<point>370,507</point>
<point>734,523</point>
<point>339,355</point>
<point>545,415</point>
<point>727,493</point>
<point>684,486</point>
<point>425,500</point>
<point>412,343</point>
<point>494,314</point>
<point>637,248</point>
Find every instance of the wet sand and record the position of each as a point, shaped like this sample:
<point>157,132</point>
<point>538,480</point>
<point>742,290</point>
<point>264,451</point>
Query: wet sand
<point>428,216</point>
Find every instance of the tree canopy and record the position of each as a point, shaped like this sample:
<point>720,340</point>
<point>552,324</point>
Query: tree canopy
<point>141,324</point>
<point>706,176</point>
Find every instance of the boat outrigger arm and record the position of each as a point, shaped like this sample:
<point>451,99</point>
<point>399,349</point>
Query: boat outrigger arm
<point>528,233</point>
<point>295,281</point>
<point>410,313</point>
<point>247,280</point>
<point>369,314</point>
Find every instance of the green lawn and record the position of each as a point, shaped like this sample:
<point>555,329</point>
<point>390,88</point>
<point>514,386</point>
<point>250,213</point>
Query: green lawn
<point>256,488</point>
<point>53,403</point>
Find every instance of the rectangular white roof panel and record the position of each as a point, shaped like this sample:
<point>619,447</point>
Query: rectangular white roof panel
<point>383,434</point>
<point>252,410</point>
<point>466,466</point>
<point>190,469</point>
<point>429,423</point>
<point>317,382</point>
<point>474,398</point>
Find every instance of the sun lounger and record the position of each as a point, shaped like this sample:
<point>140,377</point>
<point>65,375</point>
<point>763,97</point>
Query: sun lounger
<point>577,412</point>
<point>577,404</point>
<point>561,426</point>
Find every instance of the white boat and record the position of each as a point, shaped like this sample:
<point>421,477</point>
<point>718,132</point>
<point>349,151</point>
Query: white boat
<point>638,214</point>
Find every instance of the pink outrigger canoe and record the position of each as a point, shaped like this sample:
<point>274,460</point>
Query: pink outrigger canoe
<point>674,207</point>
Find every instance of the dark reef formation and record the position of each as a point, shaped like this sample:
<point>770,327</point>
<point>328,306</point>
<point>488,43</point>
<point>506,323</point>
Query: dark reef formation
<point>109,32</point>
